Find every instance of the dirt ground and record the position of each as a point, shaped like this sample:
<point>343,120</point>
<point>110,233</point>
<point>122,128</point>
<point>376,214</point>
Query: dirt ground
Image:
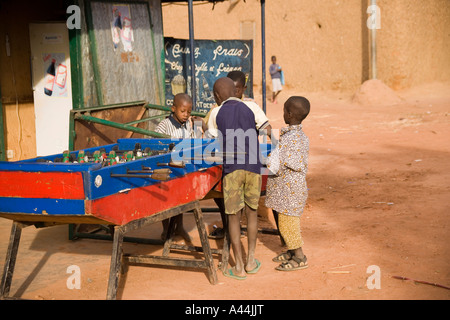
<point>378,196</point>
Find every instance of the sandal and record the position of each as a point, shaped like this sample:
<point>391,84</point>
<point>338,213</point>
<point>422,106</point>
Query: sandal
<point>293,264</point>
<point>285,256</point>
<point>217,233</point>
<point>256,269</point>
<point>230,274</point>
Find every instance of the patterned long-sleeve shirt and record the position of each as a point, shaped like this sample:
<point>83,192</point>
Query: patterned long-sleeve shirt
<point>286,191</point>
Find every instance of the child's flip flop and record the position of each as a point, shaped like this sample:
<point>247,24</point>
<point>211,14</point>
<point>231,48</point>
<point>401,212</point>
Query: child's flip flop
<point>256,269</point>
<point>230,274</point>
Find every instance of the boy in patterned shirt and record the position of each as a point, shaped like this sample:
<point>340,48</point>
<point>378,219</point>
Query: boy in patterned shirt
<point>286,190</point>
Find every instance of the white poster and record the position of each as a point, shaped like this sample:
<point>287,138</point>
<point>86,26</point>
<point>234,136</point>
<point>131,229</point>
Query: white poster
<point>50,59</point>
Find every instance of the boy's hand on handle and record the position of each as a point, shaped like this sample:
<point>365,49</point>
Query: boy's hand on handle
<point>198,119</point>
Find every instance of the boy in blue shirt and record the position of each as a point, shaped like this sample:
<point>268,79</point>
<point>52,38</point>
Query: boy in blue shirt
<point>236,130</point>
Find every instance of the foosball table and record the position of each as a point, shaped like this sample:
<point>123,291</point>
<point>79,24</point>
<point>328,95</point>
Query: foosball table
<point>126,186</point>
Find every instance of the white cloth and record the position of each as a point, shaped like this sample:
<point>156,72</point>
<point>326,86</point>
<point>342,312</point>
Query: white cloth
<point>276,85</point>
<point>261,119</point>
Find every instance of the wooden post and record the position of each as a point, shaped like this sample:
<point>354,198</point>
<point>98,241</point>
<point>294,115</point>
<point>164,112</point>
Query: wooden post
<point>205,244</point>
<point>115,267</point>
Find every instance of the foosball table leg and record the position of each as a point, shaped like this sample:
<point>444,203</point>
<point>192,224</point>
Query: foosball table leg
<point>11,255</point>
<point>212,276</point>
<point>168,239</point>
<point>115,266</point>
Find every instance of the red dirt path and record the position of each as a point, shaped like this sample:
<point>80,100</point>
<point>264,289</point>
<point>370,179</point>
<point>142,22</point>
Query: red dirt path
<point>378,195</point>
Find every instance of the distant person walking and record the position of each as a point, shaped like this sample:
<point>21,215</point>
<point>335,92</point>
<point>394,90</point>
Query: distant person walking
<point>275,72</point>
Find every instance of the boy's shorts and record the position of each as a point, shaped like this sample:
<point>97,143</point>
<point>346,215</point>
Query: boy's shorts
<point>276,85</point>
<point>241,187</point>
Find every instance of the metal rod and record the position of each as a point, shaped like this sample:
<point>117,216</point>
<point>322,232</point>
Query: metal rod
<point>154,176</point>
<point>191,48</point>
<point>120,126</point>
<point>163,108</point>
<point>111,106</point>
<point>263,53</point>
<point>164,171</point>
<point>148,119</point>
<point>373,43</point>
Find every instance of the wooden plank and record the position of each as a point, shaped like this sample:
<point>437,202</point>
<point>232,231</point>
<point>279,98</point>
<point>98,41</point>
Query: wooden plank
<point>60,219</point>
<point>165,261</point>
<point>139,117</point>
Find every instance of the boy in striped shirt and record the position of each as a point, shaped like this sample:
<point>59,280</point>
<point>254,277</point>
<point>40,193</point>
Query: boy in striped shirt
<point>180,125</point>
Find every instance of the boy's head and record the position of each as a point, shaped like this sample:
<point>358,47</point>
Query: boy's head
<point>274,59</point>
<point>223,89</point>
<point>182,107</point>
<point>239,81</point>
<point>296,109</point>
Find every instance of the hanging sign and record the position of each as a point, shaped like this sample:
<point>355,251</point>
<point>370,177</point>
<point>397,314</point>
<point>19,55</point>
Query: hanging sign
<point>213,60</point>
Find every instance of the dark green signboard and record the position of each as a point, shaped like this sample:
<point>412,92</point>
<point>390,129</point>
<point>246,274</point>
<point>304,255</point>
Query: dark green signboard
<point>213,60</point>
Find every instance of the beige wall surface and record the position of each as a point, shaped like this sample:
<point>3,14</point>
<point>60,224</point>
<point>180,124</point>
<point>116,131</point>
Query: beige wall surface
<point>324,44</point>
<point>15,75</point>
<point>414,42</point>
<point>321,44</point>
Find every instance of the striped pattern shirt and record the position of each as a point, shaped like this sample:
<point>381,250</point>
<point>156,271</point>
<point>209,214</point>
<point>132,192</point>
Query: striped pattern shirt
<point>176,130</point>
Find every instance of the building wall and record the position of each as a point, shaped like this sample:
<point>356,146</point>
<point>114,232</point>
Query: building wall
<point>321,44</point>
<point>19,129</point>
<point>15,75</point>
<point>414,42</point>
<point>324,45</point>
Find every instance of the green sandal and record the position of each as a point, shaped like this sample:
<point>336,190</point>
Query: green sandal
<point>285,256</point>
<point>230,274</point>
<point>293,264</point>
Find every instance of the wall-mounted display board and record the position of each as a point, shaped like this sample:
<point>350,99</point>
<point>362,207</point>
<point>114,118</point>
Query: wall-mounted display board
<point>213,60</point>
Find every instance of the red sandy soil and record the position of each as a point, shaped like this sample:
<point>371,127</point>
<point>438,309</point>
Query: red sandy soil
<point>379,191</point>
